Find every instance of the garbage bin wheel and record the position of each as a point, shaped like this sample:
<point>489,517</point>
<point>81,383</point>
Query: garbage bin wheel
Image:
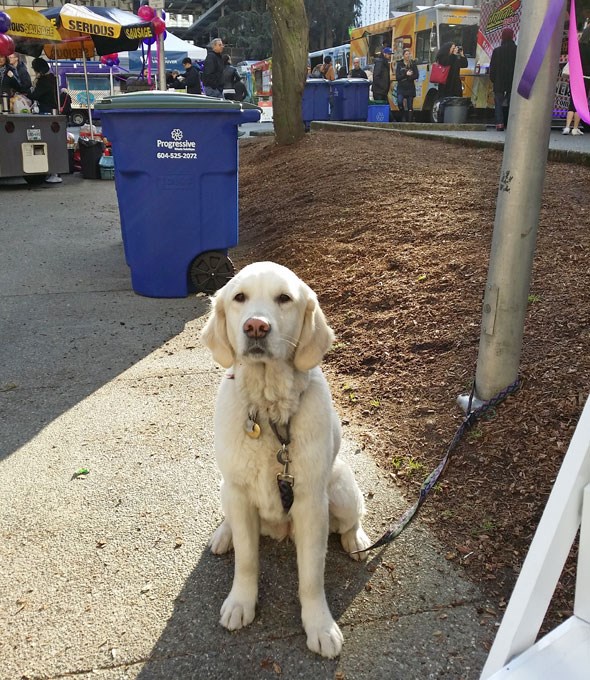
<point>211,271</point>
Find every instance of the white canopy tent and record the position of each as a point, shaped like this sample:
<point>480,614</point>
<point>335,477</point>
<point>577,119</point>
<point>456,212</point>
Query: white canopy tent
<point>175,51</point>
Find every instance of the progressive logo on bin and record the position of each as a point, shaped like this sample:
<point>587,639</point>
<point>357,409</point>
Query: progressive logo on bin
<point>177,147</point>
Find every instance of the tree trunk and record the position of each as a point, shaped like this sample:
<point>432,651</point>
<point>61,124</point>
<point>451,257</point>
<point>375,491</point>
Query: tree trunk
<point>289,67</point>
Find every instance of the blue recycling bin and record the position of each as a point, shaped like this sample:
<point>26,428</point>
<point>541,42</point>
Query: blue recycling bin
<point>315,103</point>
<point>176,177</point>
<point>350,99</point>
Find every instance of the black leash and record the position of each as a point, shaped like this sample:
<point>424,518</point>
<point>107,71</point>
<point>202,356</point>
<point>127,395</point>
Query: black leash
<point>472,416</point>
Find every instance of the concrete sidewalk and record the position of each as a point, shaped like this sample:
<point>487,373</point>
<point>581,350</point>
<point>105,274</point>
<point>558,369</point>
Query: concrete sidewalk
<point>108,575</point>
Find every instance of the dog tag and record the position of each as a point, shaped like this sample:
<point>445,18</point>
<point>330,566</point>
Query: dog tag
<point>252,429</point>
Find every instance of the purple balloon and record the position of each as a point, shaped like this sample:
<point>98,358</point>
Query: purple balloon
<point>149,41</point>
<point>4,22</point>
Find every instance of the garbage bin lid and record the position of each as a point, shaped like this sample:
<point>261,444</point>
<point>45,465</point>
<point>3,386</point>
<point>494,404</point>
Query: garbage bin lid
<point>160,99</point>
<point>349,81</point>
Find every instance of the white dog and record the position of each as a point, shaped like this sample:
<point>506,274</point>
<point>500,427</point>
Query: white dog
<point>267,328</point>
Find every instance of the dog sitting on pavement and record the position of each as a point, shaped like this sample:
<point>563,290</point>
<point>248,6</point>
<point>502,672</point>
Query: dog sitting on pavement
<point>277,438</point>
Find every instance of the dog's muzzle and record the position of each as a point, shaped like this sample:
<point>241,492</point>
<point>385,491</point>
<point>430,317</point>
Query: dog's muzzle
<point>256,330</point>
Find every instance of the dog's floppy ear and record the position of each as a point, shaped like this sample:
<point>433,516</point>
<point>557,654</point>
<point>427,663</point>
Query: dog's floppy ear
<point>214,334</point>
<point>316,337</point>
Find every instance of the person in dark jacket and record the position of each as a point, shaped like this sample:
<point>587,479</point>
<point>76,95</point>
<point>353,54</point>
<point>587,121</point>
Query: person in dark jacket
<point>356,71</point>
<point>230,78</point>
<point>213,69</point>
<point>9,82</point>
<point>382,75</point>
<point>451,55</point>
<point>191,79</point>
<point>501,75</point>
<point>44,90</point>
<point>22,72</point>
<point>406,73</point>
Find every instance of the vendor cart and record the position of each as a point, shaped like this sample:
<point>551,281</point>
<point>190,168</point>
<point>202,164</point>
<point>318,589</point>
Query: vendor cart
<point>32,146</point>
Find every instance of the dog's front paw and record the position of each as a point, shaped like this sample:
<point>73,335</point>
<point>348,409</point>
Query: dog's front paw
<point>221,541</point>
<point>356,539</point>
<point>324,637</point>
<point>237,612</point>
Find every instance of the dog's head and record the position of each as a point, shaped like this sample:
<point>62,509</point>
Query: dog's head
<point>267,313</point>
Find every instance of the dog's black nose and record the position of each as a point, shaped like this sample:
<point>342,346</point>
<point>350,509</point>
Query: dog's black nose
<point>256,327</point>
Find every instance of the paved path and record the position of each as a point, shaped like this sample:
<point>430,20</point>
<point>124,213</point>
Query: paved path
<point>108,575</point>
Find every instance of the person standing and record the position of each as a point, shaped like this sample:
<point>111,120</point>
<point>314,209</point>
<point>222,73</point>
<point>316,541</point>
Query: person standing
<point>382,75</point>
<point>22,72</point>
<point>452,56</point>
<point>327,69</point>
<point>406,73</point>
<point>191,79</point>
<point>9,82</point>
<point>44,90</point>
<point>501,75</point>
<point>356,71</point>
<point>213,69</point>
<point>572,114</point>
<point>230,78</point>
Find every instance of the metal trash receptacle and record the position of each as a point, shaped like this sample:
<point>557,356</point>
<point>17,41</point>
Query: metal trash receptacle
<point>176,177</point>
<point>90,155</point>
<point>349,99</point>
<point>315,103</point>
<point>454,110</point>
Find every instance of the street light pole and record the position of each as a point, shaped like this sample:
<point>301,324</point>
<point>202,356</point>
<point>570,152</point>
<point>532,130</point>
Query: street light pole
<point>517,210</point>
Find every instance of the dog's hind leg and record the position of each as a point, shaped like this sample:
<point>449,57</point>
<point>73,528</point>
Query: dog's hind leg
<point>347,509</point>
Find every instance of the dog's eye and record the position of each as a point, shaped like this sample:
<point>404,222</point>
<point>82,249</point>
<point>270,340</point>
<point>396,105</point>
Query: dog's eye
<point>240,297</point>
<point>283,298</point>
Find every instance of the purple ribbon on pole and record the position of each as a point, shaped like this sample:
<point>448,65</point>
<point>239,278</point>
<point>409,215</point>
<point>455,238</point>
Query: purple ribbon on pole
<point>577,87</point>
<point>535,61</point>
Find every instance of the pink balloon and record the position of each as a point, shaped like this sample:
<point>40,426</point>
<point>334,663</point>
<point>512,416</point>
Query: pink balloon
<point>6,45</point>
<point>146,12</point>
<point>159,25</point>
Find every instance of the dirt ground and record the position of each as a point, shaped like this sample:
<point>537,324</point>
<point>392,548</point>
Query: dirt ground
<point>393,233</point>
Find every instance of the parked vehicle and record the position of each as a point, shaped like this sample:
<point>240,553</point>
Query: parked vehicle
<point>423,32</point>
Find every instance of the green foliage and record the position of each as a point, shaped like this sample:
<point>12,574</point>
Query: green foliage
<point>329,21</point>
<point>246,24</point>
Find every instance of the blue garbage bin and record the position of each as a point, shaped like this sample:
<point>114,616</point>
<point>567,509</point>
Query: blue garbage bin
<point>315,103</point>
<point>350,99</point>
<point>176,177</point>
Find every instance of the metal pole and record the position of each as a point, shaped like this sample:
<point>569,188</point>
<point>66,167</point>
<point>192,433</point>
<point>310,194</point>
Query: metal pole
<point>517,210</point>
<point>162,57</point>
<point>88,103</point>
